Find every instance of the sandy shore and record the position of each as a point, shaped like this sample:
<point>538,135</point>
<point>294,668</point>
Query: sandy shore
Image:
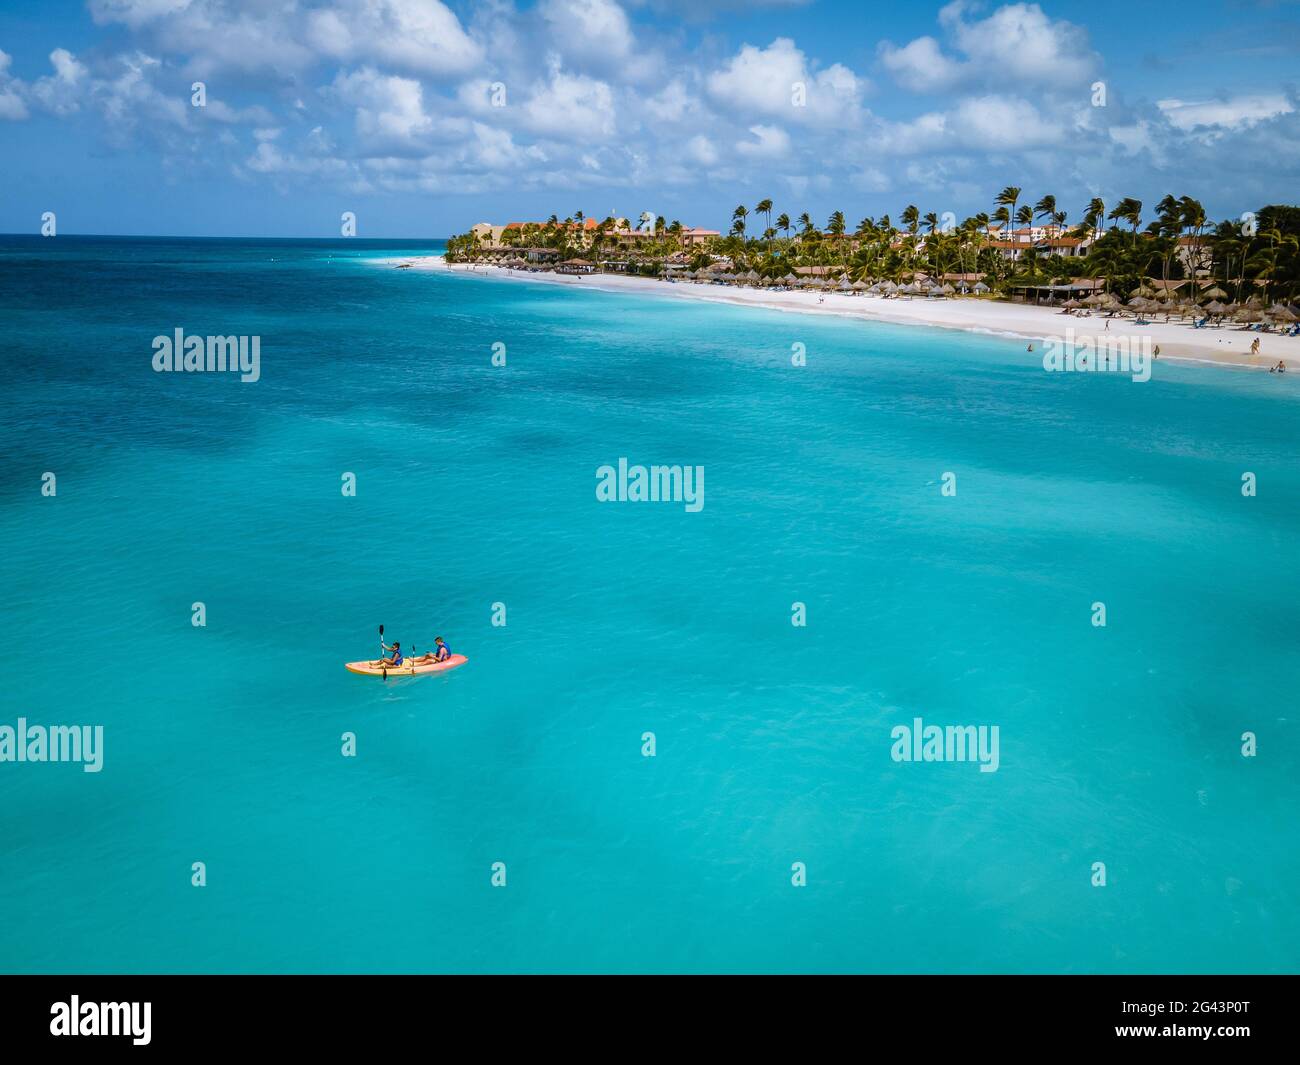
<point>1226,345</point>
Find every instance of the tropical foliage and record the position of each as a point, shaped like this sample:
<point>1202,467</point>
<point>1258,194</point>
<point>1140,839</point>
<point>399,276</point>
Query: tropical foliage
<point>1258,253</point>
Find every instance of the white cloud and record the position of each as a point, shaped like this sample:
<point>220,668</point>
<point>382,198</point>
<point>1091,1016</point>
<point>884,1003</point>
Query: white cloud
<point>588,29</point>
<point>571,107</point>
<point>984,123</point>
<point>920,65</point>
<point>421,36</point>
<point>673,104</point>
<point>1018,44</point>
<point>1002,122</point>
<point>701,150</point>
<point>770,142</point>
<point>12,107</point>
<point>389,110</point>
<point>1233,113</point>
<point>769,80</point>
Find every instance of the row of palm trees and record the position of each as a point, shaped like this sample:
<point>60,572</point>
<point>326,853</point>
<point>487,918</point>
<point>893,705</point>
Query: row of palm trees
<point>1264,253</point>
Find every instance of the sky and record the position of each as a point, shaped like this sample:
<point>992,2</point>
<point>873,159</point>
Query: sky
<point>422,117</point>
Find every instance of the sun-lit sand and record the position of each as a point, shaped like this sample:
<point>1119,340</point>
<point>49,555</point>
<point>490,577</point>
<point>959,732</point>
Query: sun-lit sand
<point>1177,340</point>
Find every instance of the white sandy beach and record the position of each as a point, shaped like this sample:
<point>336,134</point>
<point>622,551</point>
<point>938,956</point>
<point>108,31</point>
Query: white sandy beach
<point>1226,345</point>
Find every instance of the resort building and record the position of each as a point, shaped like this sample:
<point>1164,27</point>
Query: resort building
<point>1195,255</point>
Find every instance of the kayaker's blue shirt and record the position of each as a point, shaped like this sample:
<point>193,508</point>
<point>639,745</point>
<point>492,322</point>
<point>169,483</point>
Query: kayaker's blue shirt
<point>397,658</point>
<point>444,651</point>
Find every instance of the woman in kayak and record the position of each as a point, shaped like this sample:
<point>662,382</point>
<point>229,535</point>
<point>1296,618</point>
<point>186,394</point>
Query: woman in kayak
<point>395,658</point>
<point>440,654</point>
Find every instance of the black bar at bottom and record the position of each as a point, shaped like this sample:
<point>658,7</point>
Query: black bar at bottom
<point>341,1013</point>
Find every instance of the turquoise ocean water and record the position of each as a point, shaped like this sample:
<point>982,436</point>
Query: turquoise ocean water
<point>476,486</point>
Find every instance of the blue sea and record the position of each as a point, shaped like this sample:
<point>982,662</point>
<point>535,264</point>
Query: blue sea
<point>771,830</point>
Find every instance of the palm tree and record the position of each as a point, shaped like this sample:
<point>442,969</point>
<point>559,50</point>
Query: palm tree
<point>765,207</point>
<point>1095,215</point>
<point>1008,198</point>
<point>1128,210</point>
<point>783,224</point>
<point>738,217</point>
<point>835,226</point>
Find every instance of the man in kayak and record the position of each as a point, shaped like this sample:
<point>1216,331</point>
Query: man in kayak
<point>440,653</point>
<point>395,654</point>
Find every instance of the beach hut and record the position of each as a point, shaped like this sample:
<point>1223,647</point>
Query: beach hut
<point>981,288</point>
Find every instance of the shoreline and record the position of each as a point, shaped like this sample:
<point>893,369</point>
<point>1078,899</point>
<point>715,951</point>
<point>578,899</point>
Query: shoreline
<point>1178,341</point>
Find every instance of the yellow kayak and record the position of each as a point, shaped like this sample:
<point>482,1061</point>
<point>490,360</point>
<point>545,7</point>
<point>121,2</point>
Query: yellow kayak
<point>369,669</point>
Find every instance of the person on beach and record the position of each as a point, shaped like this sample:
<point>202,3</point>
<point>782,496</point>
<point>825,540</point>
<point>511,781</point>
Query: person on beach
<point>1279,368</point>
<point>1254,346</point>
<point>395,654</point>
<point>1156,353</point>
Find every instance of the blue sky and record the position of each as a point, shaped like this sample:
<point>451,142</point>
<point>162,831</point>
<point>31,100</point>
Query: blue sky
<point>387,108</point>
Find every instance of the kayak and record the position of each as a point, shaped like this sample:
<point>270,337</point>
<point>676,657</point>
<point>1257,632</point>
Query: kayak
<point>368,669</point>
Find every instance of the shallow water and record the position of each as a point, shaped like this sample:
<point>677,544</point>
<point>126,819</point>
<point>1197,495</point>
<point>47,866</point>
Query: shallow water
<point>476,486</point>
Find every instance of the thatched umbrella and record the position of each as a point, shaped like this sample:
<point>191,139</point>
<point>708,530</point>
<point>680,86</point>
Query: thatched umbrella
<point>1248,314</point>
<point>1215,307</point>
<point>1072,305</point>
<point>860,286</point>
<point>753,275</point>
<point>1214,293</point>
<point>981,288</point>
<point>1282,314</point>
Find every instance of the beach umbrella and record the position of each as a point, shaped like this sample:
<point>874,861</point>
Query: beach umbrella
<point>860,286</point>
<point>981,288</point>
<point>1282,314</point>
<point>752,276</point>
<point>1214,293</point>
<point>947,289</point>
<point>1215,307</point>
<point>1247,314</point>
<point>1071,305</point>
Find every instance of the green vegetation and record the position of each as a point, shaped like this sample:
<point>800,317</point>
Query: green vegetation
<point>1254,255</point>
